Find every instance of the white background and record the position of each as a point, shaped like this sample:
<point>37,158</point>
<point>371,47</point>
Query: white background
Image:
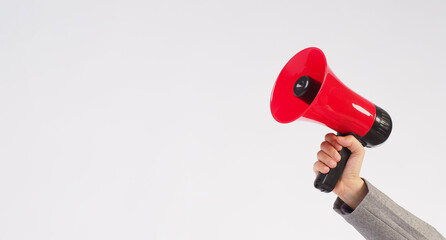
<point>150,119</point>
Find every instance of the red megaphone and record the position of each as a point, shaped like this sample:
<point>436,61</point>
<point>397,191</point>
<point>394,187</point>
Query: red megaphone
<point>306,87</point>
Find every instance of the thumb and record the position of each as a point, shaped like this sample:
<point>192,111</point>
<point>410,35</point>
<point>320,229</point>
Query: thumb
<point>353,167</point>
<point>351,143</point>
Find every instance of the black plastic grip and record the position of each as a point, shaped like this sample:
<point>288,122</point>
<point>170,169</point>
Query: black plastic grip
<point>327,182</point>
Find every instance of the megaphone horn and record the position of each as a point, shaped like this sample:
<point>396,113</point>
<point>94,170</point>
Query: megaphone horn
<point>307,88</point>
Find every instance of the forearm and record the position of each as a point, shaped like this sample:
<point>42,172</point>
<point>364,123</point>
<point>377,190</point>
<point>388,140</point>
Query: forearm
<point>378,217</point>
<point>354,193</point>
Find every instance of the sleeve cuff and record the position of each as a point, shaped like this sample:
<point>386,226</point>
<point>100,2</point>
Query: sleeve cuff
<point>343,208</point>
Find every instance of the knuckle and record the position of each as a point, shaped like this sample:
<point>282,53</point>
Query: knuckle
<point>325,145</point>
<point>329,136</point>
<point>328,149</point>
<point>323,157</point>
<point>319,166</point>
<point>322,145</point>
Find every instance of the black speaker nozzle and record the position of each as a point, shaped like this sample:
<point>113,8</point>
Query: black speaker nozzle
<point>306,89</point>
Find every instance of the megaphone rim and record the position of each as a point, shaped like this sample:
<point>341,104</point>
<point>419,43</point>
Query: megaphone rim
<point>287,67</point>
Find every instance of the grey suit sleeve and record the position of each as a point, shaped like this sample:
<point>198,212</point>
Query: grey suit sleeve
<point>378,217</point>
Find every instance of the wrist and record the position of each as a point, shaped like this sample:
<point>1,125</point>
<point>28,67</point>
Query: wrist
<point>354,193</point>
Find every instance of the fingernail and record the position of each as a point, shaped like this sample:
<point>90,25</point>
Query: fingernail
<point>332,164</point>
<point>338,157</point>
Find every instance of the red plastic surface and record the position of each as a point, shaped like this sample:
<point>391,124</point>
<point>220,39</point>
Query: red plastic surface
<point>336,106</point>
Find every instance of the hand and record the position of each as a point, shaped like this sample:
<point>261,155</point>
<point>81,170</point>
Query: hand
<point>350,187</point>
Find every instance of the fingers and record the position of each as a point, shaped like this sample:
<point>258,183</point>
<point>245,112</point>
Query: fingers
<point>332,139</point>
<point>328,156</point>
<point>326,159</point>
<point>329,150</point>
<point>320,167</point>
